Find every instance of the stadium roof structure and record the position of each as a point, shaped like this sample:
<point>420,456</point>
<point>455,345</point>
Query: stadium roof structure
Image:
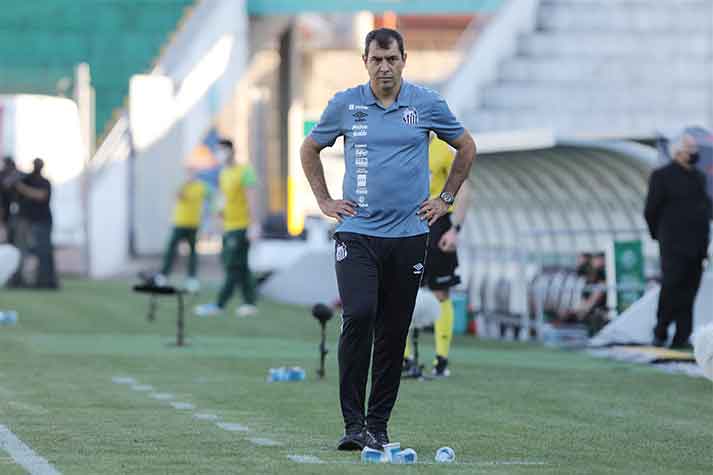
<point>560,197</point>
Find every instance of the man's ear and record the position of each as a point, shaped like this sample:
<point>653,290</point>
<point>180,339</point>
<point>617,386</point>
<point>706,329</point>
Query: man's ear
<point>405,56</point>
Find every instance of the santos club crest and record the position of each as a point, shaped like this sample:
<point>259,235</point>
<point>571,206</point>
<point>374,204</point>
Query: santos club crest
<point>410,116</point>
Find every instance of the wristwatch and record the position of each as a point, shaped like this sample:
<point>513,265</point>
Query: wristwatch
<point>447,197</point>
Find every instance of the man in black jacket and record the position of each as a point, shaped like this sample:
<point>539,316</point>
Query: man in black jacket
<point>678,214</point>
<point>35,225</point>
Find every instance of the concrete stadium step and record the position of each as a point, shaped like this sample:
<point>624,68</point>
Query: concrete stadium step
<point>625,15</point>
<point>587,96</point>
<point>644,46</point>
<point>584,69</point>
<point>589,123</point>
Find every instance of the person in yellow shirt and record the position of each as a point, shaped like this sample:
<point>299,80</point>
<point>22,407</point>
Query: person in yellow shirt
<point>240,227</point>
<point>442,260</point>
<point>187,214</point>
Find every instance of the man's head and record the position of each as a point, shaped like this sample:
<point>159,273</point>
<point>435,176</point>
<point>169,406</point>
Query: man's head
<point>8,164</point>
<point>226,152</point>
<point>37,165</point>
<point>684,150</point>
<point>384,58</point>
<point>599,261</point>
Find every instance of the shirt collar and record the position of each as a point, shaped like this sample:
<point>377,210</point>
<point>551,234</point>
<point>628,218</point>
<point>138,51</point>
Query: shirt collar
<point>403,99</point>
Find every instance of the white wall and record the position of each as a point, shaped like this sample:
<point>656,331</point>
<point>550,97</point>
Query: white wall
<point>205,60</point>
<point>46,127</point>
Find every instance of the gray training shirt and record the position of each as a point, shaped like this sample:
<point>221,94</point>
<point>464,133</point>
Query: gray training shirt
<point>386,154</point>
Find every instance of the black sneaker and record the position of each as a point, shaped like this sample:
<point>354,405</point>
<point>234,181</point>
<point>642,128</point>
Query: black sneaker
<point>377,439</point>
<point>681,347</point>
<point>407,366</point>
<point>659,342</point>
<point>440,369</point>
<point>353,440</point>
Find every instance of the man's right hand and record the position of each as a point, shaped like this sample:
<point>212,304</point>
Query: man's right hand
<point>337,209</point>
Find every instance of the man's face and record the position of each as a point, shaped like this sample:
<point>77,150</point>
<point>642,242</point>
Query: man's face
<point>385,66</point>
<point>689,148</point>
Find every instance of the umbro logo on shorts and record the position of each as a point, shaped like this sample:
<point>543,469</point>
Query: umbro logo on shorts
<point>418,269</point>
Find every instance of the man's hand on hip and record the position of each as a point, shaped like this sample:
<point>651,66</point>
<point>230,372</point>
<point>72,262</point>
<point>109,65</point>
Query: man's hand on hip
<point>337,209</point>
<point>432,209</point>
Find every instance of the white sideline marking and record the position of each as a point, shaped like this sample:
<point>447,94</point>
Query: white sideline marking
<point>123,380</point>
<point>232,427</point>
<point>162,396</point>
<point>182,405</point>
<point>23,455</point>
<point>142,387</point>
<point>264,442</point>
<point>204,416</point>
<point>305,459</point>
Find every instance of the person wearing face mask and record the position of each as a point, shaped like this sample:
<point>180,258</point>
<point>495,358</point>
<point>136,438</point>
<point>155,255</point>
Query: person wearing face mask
<point>678,214</point>
<point>240,229</point>
<point>35,226</point>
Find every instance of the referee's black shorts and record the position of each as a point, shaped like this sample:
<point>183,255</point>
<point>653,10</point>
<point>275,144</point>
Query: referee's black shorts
<point>440,266</point>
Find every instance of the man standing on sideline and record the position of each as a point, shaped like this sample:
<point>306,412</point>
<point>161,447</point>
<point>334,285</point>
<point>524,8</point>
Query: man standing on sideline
<point>240,227</point>
<point>187,212</point>
<point>678,214</point>
<point>35,226</point>
<point>383,219</point>
<point>442,260</point>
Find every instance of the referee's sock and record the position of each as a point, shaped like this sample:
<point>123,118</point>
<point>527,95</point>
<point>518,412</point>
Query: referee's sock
<point>407,349</point>
<point>443,329</point>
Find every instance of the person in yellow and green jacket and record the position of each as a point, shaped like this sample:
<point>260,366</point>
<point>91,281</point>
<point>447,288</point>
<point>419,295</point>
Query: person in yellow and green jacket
<point>240,227</point>
<point>187,213</point>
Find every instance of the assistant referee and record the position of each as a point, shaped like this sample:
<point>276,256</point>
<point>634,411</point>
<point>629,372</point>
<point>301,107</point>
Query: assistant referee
<point>384,215</point>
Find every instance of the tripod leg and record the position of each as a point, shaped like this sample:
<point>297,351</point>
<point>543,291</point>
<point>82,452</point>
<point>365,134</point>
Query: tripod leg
<point>151,316</point>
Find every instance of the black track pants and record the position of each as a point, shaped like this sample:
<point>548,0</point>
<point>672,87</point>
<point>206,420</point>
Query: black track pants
<point>378,280</point>
<point>681,280</point>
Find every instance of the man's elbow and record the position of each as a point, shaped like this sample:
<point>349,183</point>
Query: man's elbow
<point>467,148</point>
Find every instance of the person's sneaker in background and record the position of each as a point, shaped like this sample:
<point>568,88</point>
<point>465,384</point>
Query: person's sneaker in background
<point>407,366</point>
<point>207,310</point>
<point>246,310</point>
<point>440,370</point>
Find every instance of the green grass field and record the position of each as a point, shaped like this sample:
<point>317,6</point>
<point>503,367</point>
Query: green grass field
<point>508,408</point>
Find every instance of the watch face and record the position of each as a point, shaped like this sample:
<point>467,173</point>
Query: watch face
<point>447,197</point>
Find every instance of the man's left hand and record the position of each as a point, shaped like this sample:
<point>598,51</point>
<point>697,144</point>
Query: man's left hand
<point>448,241</point>
<point>432,209</point>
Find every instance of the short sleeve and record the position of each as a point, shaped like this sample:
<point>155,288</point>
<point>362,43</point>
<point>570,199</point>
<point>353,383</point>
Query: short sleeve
<point>325,133</point>
<point>248,178</point>
<point>443,122</point>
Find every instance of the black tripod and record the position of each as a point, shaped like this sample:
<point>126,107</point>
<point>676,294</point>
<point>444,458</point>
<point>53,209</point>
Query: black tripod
<point>323,314</point>
<point>415,371</point>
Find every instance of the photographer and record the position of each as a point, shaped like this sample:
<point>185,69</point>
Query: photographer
<point>34,224</point>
